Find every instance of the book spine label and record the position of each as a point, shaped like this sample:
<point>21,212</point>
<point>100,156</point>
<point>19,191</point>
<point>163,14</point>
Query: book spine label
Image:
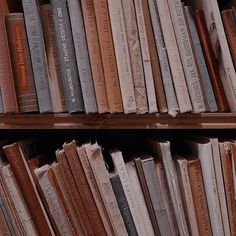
<point>22,67</point>
<point>54,68</point>
<point>170,93</point>
<point>82,56</point>
<point>108,56</point>
<point>95,55</point>
<point>67,59</point>
<point>37,53</point>
<point>135,56</point>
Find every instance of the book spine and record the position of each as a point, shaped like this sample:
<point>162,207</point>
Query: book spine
<point>151,96</point>
<point>4,229</point>
<point>211,62</point>
<point>54,68</point>
<point>102,178</point>
<point>122,55</point>
<point>170,93</point>
<point>199,197</point>
<point>123,205</point>
<point>108,56</point>
<point>174,57</point>
<point>22,67</point>
<point>95,191</point>
<point>200,60</point>
<point>53,201</point>
<point>135,56</point>
<point>82,56</point>
<point>83,188</point>
<point>37,53</point>
<point>95,55</point>
<point>73,191</point>
<point>25,182</point>
<point>187,56</point>
<point>67,59</point>
<point>7,88</point>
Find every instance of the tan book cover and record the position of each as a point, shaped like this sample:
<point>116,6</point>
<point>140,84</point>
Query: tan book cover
<point>108,56</point>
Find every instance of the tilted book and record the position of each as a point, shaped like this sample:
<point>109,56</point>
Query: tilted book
<point>37,53</point>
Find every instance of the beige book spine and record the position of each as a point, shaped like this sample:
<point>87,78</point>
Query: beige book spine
<point>174,57</point>
<point>18,201</point>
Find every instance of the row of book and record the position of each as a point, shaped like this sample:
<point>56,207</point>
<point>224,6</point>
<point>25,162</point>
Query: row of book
<point>90,190</point>
<point>131,56</point>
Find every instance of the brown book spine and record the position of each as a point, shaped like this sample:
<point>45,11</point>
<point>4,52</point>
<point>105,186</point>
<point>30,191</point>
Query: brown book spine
<point>21,62</point>
<point>95,190</point>
<point>211,62</point>
<point>83,188</point>
<point>230,30</point>
<point>74,193</point>
<point>108,56</point>
<point>199,197</point>
<point>160,95</point>
<point>4,230</point>
<point>95,55</point>
<point>24,180</point>
<point>7,87</point>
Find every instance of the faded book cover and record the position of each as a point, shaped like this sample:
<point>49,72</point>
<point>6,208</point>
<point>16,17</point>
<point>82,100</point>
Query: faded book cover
<point>21,63</point>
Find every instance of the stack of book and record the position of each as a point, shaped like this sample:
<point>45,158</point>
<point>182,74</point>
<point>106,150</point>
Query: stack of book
<point>90,190</point>
<point>117,56</point>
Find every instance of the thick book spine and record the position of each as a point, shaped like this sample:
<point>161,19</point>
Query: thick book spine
<point>37,53</point>
<point>122,55</point>
<point>29,192</point>
<point>54,68</point>
<point>83,188</point>
<point>174,57</point>
<point>67,59</point>
<point>22,67</point>
<point>135,56</point>
<point>95,55</point>
<point>8,101</point>
<point>123,205</point>
<point>74,193</point>
<point>211,62</point>
<point>82,56</point>
<point>200,60</point>
<point>108,56</point>
<point>170,93</point>
<point>151,96</point>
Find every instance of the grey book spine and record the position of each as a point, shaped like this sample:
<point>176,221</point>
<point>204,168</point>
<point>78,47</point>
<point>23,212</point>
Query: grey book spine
<point>123,205</point>
<point>82,56</point>
<point>67,59</point>
<point>163,58</point>
<point>201,61</point>
<point>37,53</point>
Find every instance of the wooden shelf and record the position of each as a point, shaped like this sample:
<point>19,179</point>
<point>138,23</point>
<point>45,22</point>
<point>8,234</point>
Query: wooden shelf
<point>118,121</point>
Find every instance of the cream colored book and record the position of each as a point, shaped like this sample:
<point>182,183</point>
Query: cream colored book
<point>122,55</point>
<point>174,57</point>
<point>220,46</point>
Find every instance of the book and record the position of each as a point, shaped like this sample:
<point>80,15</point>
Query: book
<point>170,93</point>
<point>206,82</point>
<point>95,55</point>
<point>67,58</point>
<point>82,56</point>
<point>174,57</point>
<point>147,67</point>
<point>108,56</point>
<point>122,55</point>
<point>123,204</point>
<point>37,54</point>
<point>4,230</point>
<point>21,63</point>
<point>54,68</point>
<point>8,101</point>
<point>135,56</point>
<point>211,62</point>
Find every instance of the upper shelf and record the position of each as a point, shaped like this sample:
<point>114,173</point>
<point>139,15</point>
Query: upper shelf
<point>118,121</point>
